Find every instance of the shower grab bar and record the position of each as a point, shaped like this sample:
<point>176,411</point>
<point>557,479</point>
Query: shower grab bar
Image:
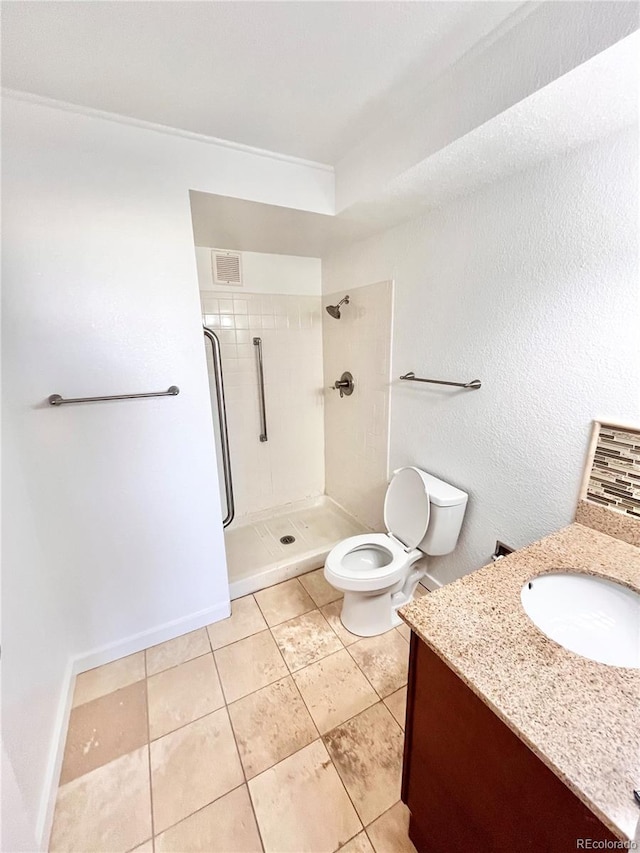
<point>475,383</point>
<point>57,400</point>
<point>257,342</point>
<point>222,420</point>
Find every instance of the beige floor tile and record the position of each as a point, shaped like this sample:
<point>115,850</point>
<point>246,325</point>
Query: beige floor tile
<point>182,694</point>
<point>397,704</point>
<point>367,752</point>
<point>245,620</point>
<point>318,588</point>
<point>384,660</point>
<point>420,591</point>
<point>302,806</point>
<point>331,613</point>
<point>105,679</point>
<point>249,664</point>
<point>178,650</point>
<point>226,826</point>
<point>405,632</point>
<point>305,640</point>
<point>106,809</point>
<point>193,766</point>
<point>389,833</point>
<point>359,844</point>
<point>270,725</point>
<point>284,601</point>
<point>104,729</point>
<point>334,690</point>
<point>146,847</point>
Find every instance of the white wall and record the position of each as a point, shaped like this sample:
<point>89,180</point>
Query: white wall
<point>530,285</point>
<point>265,273</point>
<point>111,539</point>
<point>357,427</point>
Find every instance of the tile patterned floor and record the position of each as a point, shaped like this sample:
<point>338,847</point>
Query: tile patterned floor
<point>274,730</point>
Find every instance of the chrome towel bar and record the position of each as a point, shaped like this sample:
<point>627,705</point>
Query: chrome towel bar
<point>57,400</point>
<point>411,377</point>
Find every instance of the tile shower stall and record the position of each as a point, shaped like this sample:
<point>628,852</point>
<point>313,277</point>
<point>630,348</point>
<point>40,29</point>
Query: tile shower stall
<point>321,474</point>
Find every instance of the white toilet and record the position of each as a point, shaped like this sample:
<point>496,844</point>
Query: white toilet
<point>376,571</point>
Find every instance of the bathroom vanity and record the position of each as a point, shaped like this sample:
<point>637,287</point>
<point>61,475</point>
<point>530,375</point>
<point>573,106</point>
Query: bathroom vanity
<point>512,741</point>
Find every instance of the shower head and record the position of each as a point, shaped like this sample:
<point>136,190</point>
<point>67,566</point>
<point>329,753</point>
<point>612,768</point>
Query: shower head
<point>334,310</point>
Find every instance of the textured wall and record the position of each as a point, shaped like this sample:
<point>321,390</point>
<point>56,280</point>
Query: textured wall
<point>530,285</point>
<point>357,427</point>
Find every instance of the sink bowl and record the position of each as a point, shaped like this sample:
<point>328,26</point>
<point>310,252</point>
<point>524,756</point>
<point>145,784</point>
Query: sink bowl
<point>596,618</point>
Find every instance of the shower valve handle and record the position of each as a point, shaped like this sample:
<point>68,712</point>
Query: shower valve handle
<point>344,385</point>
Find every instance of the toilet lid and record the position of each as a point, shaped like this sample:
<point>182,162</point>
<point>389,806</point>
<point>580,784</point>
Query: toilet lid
<point>406,507</point>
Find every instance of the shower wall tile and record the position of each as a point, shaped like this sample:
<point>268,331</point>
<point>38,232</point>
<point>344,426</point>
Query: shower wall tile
<point>357,427</point>
<point>290,465</point>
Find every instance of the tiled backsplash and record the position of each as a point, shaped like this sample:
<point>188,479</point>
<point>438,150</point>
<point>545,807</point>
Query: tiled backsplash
<point>610,494</point>
<point>289,466</point>
<point>614,478</point>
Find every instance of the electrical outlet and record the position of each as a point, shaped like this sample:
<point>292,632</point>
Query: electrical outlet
<point>501,551</point>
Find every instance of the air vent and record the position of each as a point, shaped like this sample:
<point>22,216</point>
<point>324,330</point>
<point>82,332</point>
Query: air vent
<point>226,267</point>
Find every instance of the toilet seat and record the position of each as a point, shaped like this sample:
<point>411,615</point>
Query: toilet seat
<point>368,563</point>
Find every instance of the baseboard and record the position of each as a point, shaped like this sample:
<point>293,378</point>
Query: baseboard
<point>89,660</point>
<point>153,636</point>
<point>56,754</point>
<point>431,583</point>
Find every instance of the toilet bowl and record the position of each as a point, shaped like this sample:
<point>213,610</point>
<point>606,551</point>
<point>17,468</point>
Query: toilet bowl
<point>379,572</point>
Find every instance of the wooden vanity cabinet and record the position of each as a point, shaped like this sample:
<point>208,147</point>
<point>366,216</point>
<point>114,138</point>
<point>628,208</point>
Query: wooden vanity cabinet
<point>470,784</point>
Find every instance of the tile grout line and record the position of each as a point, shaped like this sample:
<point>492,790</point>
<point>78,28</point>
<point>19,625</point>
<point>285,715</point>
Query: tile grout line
<point>293,675</point>
<point>292,671</point>
<point>175,665</point>
<point>199,809</point>
<point>235,740</point>
<point>275,586</point>
<point>364,673</point>
<point>306,707</point>
<point>382,698</point>
<point>243,784</point>
<point>322,736</point>
<point>146,693</point>
<point>364,826</point>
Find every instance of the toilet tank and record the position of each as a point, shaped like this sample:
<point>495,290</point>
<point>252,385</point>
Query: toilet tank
<point>447,506</point>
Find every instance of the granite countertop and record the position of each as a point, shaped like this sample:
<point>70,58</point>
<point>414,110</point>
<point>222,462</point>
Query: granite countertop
<point>580,717</point>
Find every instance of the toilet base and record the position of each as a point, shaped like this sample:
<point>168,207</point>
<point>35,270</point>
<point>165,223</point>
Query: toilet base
<point>367,615</point>
<point>371,614</point>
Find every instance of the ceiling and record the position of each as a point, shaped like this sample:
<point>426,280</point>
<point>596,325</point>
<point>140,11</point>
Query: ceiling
<point>250,226</point>
<point>308,79</point>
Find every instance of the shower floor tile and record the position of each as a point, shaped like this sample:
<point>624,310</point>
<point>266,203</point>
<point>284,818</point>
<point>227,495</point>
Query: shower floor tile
<point>260,768</point>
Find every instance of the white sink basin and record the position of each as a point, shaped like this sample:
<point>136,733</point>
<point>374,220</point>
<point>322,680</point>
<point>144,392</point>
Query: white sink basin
<point>594,617</point>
